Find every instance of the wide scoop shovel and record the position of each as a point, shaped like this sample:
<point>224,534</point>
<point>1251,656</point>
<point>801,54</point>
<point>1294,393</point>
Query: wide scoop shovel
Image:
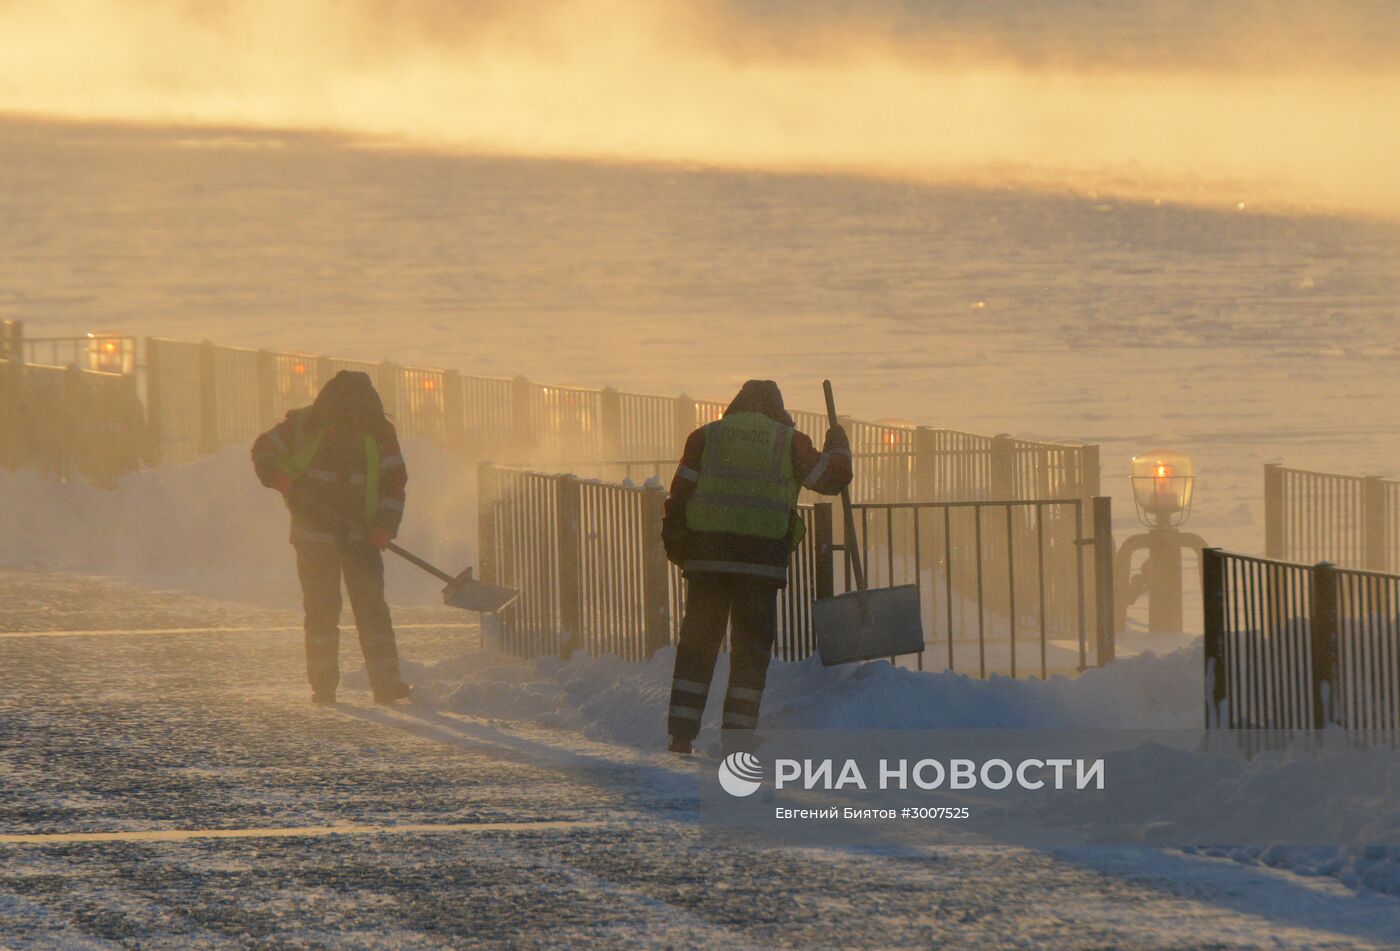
<point>864,624</point>
<point>463,591</point>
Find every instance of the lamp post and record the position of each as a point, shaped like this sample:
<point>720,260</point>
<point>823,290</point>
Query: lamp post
<point>1164,482</point>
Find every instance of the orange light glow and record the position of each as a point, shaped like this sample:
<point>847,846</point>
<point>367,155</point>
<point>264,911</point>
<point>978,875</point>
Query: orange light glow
<point>298,368</point>
<point>430,384</point>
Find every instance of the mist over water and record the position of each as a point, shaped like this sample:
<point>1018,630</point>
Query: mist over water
<point>1276,105</point>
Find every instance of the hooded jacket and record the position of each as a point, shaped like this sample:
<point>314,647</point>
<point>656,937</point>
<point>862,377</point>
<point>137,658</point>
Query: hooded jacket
<point>356,469</point>
<point>711,552</point>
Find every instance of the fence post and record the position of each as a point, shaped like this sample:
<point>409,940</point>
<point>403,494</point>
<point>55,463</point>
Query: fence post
<point>570,546</point>
<point>267,387</point>
<point>656,570</point>
<point>925,464</point>
<point>610,420</point>
<point>1373,523</point>
<point>1089,474</point>
<point>1003,467</point>
<point>153,403</point>
<point>1104,554</point>
<point>454,412</point>
<point>1323,643</point>
<point>208,399</point>
<point>486,500</point>
<point>11,337</point>
<point>522,419</point>
<point>1274,545</point>
<point>684,422</point>
<point>325,369</point>
<point>823,539</point>
<point>1213,598</point>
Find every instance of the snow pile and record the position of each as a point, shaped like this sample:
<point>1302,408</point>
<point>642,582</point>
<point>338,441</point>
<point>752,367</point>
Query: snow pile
<point>211,528</point>
<point>610,700</point>
<point>616,701</point>
<point>1374,867</point>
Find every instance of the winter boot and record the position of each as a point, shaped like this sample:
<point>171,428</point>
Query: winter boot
<point>678,745</point>
<point>398,691</point>
<point>323,698</point>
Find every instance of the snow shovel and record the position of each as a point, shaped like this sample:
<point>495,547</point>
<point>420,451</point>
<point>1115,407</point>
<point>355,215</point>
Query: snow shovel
<point>461,591</point>
<point>864,624</point>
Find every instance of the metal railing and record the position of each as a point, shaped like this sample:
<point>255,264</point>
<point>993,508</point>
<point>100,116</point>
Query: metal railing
<point>1292,646</point>
<point>70,421</point>
<point>1325,516</point>
<point>587,557</point>
<point>1004,585</point>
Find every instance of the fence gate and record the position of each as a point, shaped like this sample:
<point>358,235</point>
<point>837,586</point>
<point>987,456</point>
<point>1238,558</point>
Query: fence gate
<point>588,559</point>
<point>1290,646</point>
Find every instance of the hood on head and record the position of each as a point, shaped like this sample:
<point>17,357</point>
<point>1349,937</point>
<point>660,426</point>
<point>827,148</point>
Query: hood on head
<point>349,398</point>
<point>761,396</point>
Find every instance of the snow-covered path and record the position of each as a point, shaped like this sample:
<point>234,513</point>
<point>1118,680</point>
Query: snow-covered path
<point>466,829</point>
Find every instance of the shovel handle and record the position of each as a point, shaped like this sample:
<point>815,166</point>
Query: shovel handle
<point>413,559</point>
<point>403,553</point>
<point>851,546</point>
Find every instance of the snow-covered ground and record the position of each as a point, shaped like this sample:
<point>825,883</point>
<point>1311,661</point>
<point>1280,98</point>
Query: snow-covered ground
<point>614,702</point>
<point>524,804</point>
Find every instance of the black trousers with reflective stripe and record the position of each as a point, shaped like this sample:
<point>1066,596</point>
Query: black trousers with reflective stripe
<point>712,601</point>
<point>320,567</point>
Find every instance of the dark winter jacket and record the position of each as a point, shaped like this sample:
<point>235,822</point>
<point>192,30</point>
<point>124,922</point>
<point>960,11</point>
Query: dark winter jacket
<point>329,501</point>
<point>826,472</point>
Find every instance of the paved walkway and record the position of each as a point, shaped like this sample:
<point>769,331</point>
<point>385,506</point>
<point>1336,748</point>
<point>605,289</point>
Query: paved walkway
<point>177,789</point>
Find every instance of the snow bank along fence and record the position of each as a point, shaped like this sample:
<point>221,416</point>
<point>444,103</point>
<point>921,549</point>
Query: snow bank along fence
<point>69,406</point>
<point>1003,583</point>
<point>1323,516</point>
<point>1292,646</point>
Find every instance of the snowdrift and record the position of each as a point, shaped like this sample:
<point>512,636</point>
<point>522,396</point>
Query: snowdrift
<point>211,528</point>
<point>613,701</point>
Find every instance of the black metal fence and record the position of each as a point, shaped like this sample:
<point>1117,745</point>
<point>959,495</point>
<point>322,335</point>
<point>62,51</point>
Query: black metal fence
<point>1292,646</point>
<point>1003,589</point>
<point>1324,516</point>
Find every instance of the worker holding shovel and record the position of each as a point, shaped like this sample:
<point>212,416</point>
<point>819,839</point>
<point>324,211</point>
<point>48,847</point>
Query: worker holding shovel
<point>338,465</point>
<point>731,523</point>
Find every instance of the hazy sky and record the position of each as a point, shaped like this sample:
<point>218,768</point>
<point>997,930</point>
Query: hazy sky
<point>1285,103</point>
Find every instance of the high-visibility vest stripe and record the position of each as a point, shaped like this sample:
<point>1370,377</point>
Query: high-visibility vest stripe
<point>296,462</point>
<point>738,568</point>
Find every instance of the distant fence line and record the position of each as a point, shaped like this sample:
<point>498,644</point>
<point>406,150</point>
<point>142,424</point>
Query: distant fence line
<point>1324,516</point>
<point>201,396</point>
<point>1003,585</point>
<point>1292,646</point>
<point>72,418</point>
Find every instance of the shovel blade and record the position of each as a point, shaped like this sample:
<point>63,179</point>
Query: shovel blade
<point>471,595</point>
<point>893,625</point>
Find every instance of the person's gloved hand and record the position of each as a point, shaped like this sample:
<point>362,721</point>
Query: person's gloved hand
<point>380,538</point>
<point>676,541</point>
<point>837,440</point>
<point>282,482</point>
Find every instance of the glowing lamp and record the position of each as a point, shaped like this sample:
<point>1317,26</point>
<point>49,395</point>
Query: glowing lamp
<point>1163,482</point>
<point>893,438</point>
<point>299,369</point>
<point>430,384</point>
<point>110,354</point>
